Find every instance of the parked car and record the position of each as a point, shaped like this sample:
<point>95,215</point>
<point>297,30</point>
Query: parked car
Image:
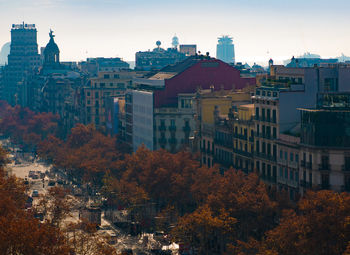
<point>35,193</point>
<point>51,183</point>
<point>29,202</point>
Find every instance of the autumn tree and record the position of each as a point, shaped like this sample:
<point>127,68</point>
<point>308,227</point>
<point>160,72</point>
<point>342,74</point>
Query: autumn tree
<point>319,225</point>
<point>56,205</point>
<point>20,232</point>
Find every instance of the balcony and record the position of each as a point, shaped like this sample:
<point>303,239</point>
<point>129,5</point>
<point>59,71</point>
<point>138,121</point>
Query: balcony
<point>240,136</point>
<point>323,186</point>
<point>323,167</point>
<point>243,153</point>
<point>345,188</point>
<point>265,156</point>
<point>162,128</point>
<point>269,179</point>
<point>309,165</point>
<point>186,129</point>
<point>172,128</point>
<point>224,143</point>
<point>305,184</point>
<point>172,140</point>
<point>162,140</point>
<point>345,168</point>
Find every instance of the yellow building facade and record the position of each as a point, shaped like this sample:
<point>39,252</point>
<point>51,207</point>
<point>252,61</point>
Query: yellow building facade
<point>243,137</point>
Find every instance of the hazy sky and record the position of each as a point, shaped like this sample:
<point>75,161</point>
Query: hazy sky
<point>118,28</point>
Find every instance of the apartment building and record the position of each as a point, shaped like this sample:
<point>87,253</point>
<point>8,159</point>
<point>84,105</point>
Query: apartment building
<point>99,89</point>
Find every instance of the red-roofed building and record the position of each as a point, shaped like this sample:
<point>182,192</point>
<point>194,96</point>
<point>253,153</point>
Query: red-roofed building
<point>166,96</point>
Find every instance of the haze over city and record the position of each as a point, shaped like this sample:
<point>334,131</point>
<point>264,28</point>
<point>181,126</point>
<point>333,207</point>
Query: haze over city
<point>260,29</point>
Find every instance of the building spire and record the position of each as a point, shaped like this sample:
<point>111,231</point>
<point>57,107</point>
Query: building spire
<point>51,34</point>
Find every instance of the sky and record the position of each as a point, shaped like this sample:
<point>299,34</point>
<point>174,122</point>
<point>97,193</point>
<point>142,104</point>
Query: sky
<point>261,29</point>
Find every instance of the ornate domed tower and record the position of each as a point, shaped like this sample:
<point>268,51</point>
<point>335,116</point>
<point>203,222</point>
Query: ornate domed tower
<point>51,53</point>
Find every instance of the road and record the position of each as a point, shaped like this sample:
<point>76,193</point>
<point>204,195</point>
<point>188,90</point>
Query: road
<point>122,240</point>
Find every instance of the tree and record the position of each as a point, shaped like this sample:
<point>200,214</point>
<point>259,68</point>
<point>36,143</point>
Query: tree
<point>20,232</point>
<point>320,225</point>
<point>56,205</point>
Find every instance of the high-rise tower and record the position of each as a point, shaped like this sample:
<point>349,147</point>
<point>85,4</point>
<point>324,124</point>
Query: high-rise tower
<point>22,60</point>
<point>225,49</point>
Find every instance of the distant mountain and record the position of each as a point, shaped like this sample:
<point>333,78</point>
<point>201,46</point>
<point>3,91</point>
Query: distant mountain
<point>5,51</point>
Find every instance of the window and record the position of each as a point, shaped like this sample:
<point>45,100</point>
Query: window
<point>285,155</point>
<point>291,156</point>
<point>263,169</point>
<point>274,133</point>
<point>88,93</point>
<point>291,175</point>
<point>325,162</point>
<point>116,76</point>
<point>297,176</point>
<point>296,157</point>
<point>257,113</point>
<point>286,173</point>
<point>106,76</point>
<point>281,154</point>
<point>347,163</point>
<point>263,131</point>
<point>310,178</point>
<point>172,122</point>
<point>263,114</point>
<point>281,172</point>
<point>96,94</point>
<point>268,113</point>
<point>263,147</point>
<point>102,85</point>
<point>325,181</point>
<point>274,116</point>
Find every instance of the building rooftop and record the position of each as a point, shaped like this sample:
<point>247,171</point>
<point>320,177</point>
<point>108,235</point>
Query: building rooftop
<point>182,66</point>
<point>162,76</point>
<point>23,26</point>
<point>324,110</point>
<point>251,106</point>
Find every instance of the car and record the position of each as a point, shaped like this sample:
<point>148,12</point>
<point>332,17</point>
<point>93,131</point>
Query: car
<point>51,183</point>
<point>35,193</point>
<point>31,174</point>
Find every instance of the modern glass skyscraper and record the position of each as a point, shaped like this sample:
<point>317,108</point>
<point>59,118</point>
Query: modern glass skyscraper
<point>225,49</point>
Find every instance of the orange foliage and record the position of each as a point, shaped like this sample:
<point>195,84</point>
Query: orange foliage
<point>320,225</point>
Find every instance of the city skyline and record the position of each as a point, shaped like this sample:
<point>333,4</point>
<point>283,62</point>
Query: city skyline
<point>117,29</point>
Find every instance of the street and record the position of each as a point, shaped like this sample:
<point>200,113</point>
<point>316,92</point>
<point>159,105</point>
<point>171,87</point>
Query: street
<point>21,167</point>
